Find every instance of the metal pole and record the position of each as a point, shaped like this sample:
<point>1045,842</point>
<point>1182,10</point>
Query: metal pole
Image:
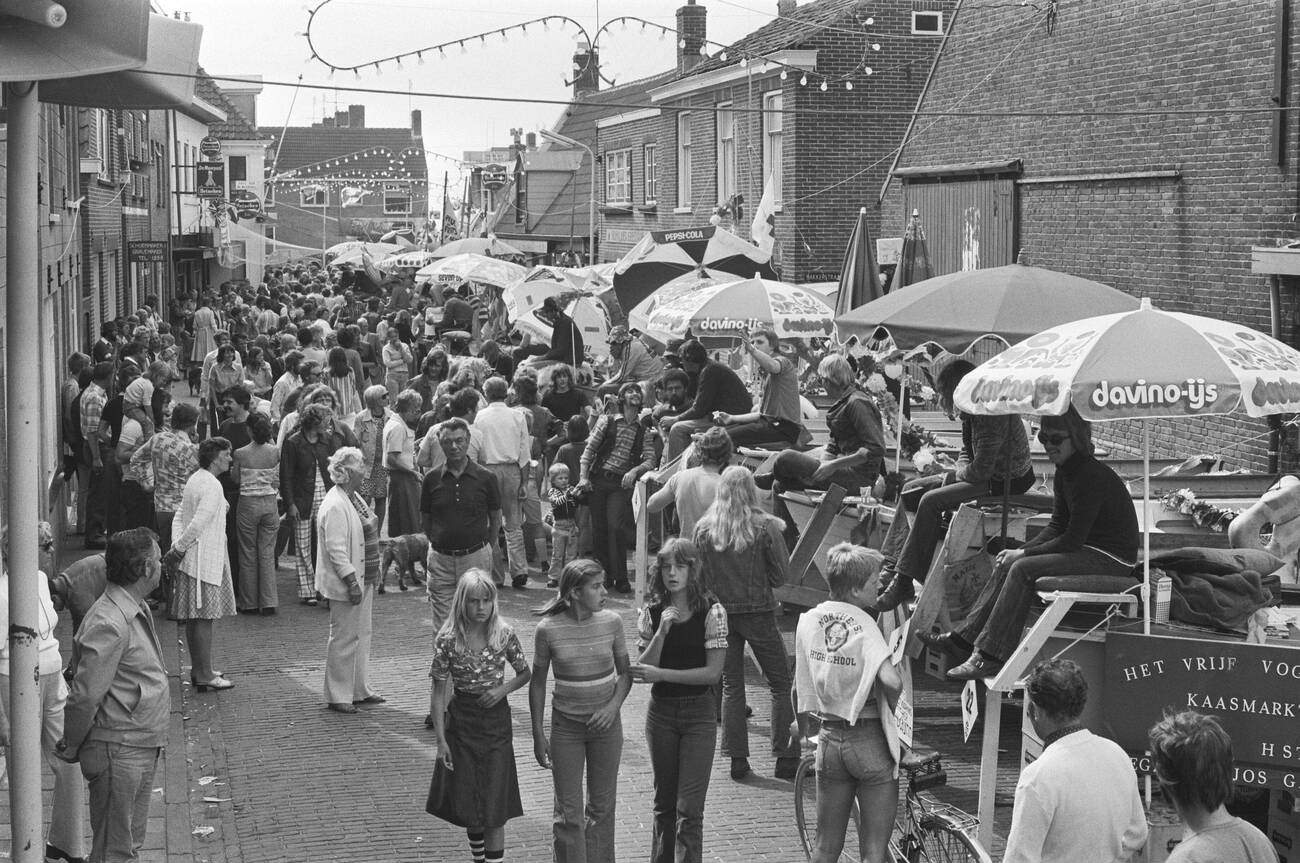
<point>591,211</point>
<point>23,414</point>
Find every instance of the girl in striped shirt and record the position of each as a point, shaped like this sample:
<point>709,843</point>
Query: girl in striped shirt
<point>585,644</point>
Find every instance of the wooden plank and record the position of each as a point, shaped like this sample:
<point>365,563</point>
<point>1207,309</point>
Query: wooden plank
<point>811,536</point>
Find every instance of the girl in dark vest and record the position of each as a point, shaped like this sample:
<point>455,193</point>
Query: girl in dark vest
<point>683,642</point>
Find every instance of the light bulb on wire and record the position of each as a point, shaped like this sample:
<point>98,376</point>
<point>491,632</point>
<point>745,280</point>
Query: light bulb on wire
<point>803,80</point>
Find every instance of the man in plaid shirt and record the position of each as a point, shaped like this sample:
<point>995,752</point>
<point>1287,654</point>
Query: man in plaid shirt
<point>93,432</point>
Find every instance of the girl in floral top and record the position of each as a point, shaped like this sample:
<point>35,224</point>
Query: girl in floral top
<point>475,785</point>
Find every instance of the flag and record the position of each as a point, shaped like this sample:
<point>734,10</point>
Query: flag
<point>449,228</point>
<point>763,229</point>
<point>353,196</point>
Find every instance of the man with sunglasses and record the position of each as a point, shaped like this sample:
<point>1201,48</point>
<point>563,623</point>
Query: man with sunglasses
<point>1093,535</point>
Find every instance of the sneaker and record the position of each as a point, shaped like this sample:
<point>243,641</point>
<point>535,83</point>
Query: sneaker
<point>552,582</point>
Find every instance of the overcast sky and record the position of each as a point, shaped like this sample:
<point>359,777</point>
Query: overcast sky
<point>257,37</point>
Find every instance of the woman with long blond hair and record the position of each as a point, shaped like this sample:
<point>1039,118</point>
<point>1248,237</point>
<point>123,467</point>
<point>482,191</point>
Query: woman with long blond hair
<point>744,559</point>
<point>682,636</point>
<point>475,785</point>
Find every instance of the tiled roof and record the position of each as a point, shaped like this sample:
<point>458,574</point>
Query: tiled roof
<point>781,34</point>
<point>319,147</point>
<point>236,127</point>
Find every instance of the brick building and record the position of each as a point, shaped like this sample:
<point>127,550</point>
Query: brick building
<point>339,179</point>
<point>707,134</point>
<point>1105,140</point>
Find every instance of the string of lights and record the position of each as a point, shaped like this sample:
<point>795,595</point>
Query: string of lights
<point>394,159</point>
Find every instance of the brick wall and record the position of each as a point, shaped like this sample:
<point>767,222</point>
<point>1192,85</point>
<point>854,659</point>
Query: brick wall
<point>1184,242</point>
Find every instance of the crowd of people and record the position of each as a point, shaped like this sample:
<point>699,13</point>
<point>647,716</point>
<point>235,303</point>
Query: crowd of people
<point>339,431</point>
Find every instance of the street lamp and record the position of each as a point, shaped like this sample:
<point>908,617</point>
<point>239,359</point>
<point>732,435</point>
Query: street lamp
<point>591,200</point>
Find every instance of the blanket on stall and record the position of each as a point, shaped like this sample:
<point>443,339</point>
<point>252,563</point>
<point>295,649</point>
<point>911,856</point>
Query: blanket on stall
<point>1219,588</point>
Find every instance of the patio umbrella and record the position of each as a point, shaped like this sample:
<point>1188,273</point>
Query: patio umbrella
<point>524,295</point>
<point>639,318</point>
<point>589,313</point>
<point>729,308</point>
<point>412,259</point>
<point>473,268</point>
<point>859,276</point>
<point>478,246</point>
<point>1138,365</point>
<point>956,310</point>
<point>663,255</point>
<point>351,250</point>
<point>914,259</point>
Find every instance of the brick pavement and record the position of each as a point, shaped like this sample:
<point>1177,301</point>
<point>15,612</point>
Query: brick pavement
<point>291,781</point>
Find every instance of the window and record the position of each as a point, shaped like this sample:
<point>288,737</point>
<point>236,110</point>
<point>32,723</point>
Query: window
<point>927,23</point>
<point>236,173</point>
<point>726,130</point>
<point>773,136</point>
<point>397,199</point>
<point>314,196</point>
<point>684,160</point>
<point>618,177</point>
<point>269,247</point>
<point>104,142</point>
<point>650,165</point>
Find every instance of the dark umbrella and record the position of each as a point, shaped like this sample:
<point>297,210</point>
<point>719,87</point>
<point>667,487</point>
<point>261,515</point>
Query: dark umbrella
<point>662,256</point>
<point>859,277</point>
<point>914,259</point>
<point>1012,302</point>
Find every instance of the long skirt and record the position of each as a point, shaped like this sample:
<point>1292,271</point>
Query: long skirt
<point>483,789</point>
<point>403,503</point>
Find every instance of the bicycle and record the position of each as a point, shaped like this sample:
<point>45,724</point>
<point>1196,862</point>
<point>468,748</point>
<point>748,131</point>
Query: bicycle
<point>925,831</point>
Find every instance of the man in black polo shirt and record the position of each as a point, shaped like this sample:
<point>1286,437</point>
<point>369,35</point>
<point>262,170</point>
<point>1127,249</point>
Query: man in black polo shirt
<point>461,507</point>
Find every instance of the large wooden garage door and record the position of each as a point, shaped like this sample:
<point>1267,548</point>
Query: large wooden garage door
<point>969,224</point>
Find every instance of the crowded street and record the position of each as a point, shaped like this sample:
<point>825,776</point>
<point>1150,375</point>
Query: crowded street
<point>804,431</point>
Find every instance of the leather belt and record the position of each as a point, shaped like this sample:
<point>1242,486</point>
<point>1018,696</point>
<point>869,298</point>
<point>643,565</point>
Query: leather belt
<point>460,552</point>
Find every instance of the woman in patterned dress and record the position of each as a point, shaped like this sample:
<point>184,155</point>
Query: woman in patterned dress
<point>203,591</point>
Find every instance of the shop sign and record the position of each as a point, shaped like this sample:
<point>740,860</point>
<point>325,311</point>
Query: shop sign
<point>146,251</point>
<point>210,148</point>
<point>494,176</point>
<point>210,181</point>
<point>1252,689</point>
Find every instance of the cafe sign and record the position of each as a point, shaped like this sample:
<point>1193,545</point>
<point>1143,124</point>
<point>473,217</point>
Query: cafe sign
<point>1252,689</point>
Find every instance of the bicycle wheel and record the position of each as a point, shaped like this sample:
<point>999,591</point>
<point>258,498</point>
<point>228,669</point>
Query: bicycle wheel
<point>943,840</point>
<point>805,815</point>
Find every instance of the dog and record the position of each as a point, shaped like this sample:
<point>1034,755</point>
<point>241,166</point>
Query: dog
<point>194,376</point>
<point>406,551</point>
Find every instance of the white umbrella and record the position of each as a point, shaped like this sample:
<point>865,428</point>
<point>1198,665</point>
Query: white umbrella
<point>1138,365</point>
<point>728,308</point>
<point>351,250</point>
<point>473,268</point>
<point>412,259</point>
<point>478,246</point>
<point>639,317</point>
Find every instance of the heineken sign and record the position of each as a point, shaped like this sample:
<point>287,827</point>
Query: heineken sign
<point>1252,689</point>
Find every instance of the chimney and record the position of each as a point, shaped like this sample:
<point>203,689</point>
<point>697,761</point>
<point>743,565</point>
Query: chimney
<point>530,140</point>
<point>417,126</point>
<point>691,33</point>
<point>785,8</point>
<point>586,70</point>
<point>357,116</point>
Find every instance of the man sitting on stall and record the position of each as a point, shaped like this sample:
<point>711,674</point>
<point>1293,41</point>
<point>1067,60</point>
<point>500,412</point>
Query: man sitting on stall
<point>853,458</point>
<point>635,362</point>
<point>1093,532</point>
<point>720,391</point>
<point>993,451</point>
<point>779,419</point>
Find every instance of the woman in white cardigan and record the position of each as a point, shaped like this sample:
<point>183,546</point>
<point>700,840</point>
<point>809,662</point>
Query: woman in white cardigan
<point>347,569</point>
<point>202,589</point>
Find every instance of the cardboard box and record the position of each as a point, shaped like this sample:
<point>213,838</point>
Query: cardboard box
<point>1284,825</point>
<point>936,663</point>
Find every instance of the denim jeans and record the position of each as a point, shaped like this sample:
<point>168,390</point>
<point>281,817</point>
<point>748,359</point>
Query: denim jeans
<point>443,573</point>
<point>564,544</point>
<point>681,734</point>
<point>918,550</point>
<point>996,621</point>
<point>121,785</point>
<point>611,516</point>
<point>258,521</point>
<point>759,629</point>
<point>67,814</point>
<point>584,833</point>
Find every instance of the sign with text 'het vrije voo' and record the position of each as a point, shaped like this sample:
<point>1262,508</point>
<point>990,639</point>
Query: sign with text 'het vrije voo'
<point>1252,689</point>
